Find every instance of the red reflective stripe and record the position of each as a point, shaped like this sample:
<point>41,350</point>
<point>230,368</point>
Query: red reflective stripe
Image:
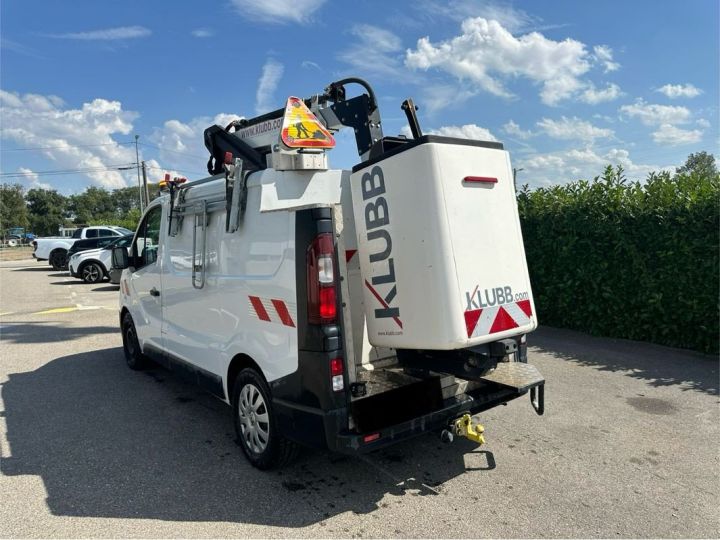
<point>282,311</point>
<point>259,308</point>
<point>526,307</point>
<point>349,254</point>
<point>503,321</point>
<point>481,179</point>
<point>471,319</point>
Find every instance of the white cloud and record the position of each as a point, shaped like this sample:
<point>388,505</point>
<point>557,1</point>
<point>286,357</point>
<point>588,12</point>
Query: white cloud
<point>272,72</point>
<point>703,123</point>
<point>181,142</point>
<point>543,162</point>
<point>593,96</point>
<point>32,179</point>
<point>467,131</point>
<point>670,135</point>
<point>278,11</point>
<point>580,163</point>
<point>106,34</point>
<point>80,138</point>
<point>513,129</point>
<point>513,19</point>
<point>487,54</point>
<point>307,64</point>
<point>573,129</point>
<point>439,97</point>
<point>604,55</point>
<point>202,33</point>
<point>376,51</point>
<point>679,90</point>
<point>655,115</point>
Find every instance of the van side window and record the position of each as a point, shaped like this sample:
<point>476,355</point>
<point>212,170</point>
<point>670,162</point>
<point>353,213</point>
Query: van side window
<point>146,243</point>
<point>91,233</point>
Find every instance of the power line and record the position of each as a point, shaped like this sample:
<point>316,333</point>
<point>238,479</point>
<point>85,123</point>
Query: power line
<point>122,167</point>
<point>178,170</point>
<point>172,151</point>
<point>61,147</point>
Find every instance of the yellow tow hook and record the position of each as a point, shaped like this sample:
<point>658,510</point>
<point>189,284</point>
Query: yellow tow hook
<point>465,428</point>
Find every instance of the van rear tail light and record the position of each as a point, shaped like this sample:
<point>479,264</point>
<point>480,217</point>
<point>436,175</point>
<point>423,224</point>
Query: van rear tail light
<point>336,373</point>
<point>321,300</point>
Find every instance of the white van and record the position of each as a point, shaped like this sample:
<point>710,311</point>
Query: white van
<point>337,309</point>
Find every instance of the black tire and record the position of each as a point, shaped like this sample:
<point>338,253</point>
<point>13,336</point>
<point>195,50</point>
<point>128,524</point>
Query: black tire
<point>92,272</point>
<point>278,450</point>
<point>58,259</point>
<point>131,346</point>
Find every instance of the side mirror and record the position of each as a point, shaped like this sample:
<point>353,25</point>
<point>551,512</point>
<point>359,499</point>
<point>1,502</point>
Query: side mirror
<point>120,259</point>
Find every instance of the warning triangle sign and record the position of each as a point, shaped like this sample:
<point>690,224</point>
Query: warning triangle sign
<point>302,129</point>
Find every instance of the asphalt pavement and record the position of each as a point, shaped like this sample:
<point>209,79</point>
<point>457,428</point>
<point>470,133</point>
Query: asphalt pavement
<point>629,445</point>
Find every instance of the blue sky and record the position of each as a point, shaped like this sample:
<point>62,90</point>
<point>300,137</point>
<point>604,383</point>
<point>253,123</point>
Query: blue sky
<point>568,86</point>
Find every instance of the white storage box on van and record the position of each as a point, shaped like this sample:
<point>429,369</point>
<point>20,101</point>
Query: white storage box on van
<point>440,246</point>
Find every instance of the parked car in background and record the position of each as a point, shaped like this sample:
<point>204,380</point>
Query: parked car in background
<point>16,236</point>
<point>55,250</point>
<point>90,243</point>
<point>93,265</point>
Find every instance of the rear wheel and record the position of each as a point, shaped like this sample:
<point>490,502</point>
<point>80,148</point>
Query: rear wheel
<point>58,259</point>
<point>131,346</point>
<point>255,425</point>
<point>92,273</point>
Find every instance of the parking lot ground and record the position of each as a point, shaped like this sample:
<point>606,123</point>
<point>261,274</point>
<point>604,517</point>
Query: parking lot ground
<point>628,446</point>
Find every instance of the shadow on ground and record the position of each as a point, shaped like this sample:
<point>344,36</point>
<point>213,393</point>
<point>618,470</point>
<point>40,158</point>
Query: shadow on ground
<point>45,269</point>
<point>655,364</point>
<point>109,442</point>
<point>48,332</point>
<point>108,288</point>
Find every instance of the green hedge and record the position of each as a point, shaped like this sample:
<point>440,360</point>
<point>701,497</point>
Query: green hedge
<point>625,259</point>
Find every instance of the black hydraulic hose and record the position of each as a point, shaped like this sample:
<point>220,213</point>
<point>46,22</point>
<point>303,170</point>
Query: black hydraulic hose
<point>361,82</point>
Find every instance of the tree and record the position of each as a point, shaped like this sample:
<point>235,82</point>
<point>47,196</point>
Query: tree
<point>47,210</point>
<point>13,212</point>
<point>126,199</point>
<point>701,163</point>
<point>93,204</point>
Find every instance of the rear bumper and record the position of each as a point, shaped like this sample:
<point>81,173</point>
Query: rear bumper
<point>346,442</point>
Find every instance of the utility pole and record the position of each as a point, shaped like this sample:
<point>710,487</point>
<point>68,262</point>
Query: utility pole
<point>145,184</point>
<point>515,171</point>
<point>137,163</point>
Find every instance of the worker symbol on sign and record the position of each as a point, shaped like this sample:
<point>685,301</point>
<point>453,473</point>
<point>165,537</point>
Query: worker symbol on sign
<point>302,129</point>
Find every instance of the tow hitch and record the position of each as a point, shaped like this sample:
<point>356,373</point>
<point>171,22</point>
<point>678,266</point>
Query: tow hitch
<point>463,427</point>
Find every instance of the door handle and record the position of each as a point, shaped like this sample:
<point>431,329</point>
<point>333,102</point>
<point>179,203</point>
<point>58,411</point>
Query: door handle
<point>154,292</point>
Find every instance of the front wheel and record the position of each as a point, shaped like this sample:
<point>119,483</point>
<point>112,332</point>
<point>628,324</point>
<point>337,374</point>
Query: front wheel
<point>92,273</point>
<point>255,424</point>
<point>131,346</point>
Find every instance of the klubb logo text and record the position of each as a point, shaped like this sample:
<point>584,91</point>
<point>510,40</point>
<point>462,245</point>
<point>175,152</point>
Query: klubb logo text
<point>377,219</point>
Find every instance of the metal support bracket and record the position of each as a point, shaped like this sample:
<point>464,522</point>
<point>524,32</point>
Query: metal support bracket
<point>201,220</point>
<point>537,398</point>
<point>236,196</point>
